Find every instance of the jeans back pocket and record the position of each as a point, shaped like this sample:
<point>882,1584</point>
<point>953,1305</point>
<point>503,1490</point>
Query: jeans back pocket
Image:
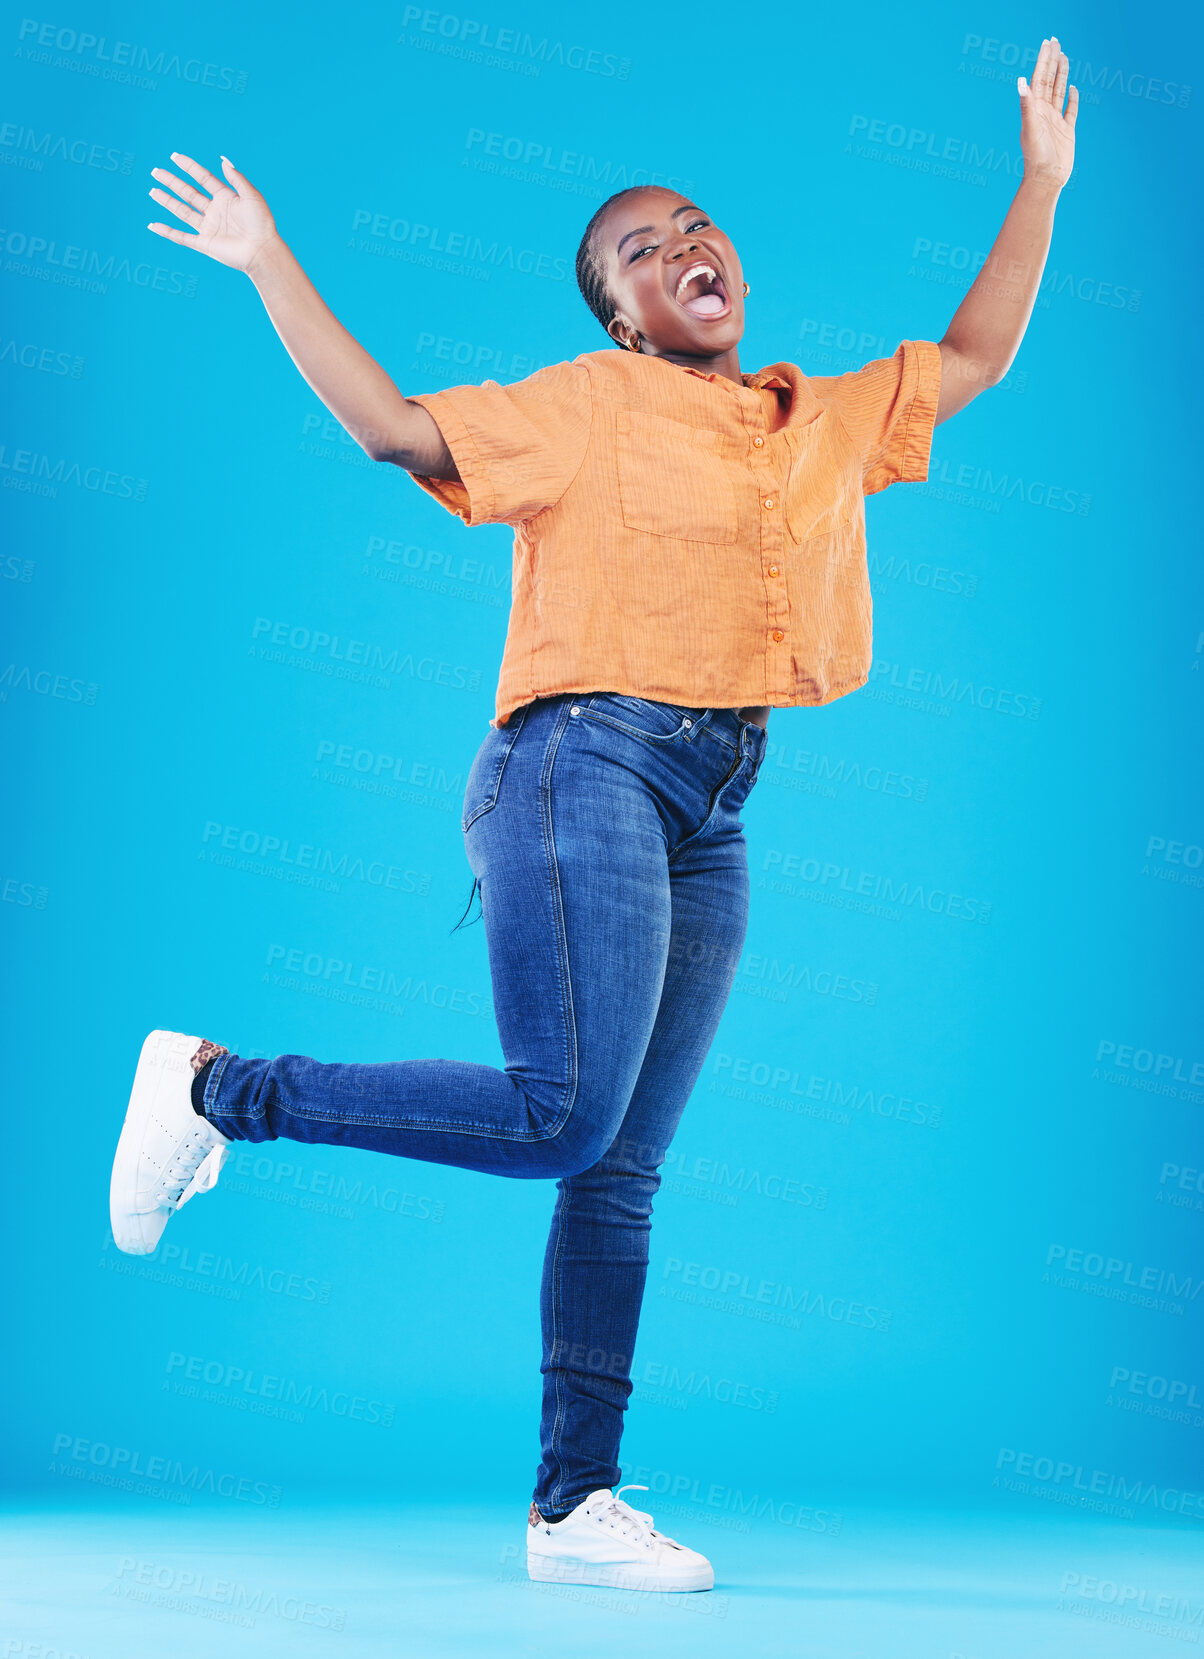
<point>485,773</point>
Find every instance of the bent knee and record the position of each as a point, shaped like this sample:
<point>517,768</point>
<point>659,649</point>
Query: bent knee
<point>578,1147</point>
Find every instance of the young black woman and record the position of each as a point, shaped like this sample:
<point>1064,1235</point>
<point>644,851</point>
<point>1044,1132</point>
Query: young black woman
<point>689,552</point>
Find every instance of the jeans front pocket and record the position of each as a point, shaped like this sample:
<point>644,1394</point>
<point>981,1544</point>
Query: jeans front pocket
<point>485,773</point>
<point>639,716</point>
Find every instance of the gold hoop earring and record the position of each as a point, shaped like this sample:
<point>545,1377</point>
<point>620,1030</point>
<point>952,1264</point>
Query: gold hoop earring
<point>633,345</point>
<point>747,289</point>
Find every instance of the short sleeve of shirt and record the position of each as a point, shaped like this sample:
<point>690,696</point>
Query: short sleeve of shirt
<point>517,448</point>
<point>888,409</point>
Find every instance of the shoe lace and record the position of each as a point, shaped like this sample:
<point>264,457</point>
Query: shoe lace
<point>190,1169</point>
<point>632,1523</point>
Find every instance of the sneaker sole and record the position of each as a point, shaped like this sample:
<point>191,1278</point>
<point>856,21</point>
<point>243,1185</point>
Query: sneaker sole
<point>131,1233</point>
<point>555,1569</point>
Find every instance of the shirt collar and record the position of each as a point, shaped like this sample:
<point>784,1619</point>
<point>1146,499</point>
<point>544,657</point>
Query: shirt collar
<point>804,405</point>
<point>766,379</point>
<point>763,377</point>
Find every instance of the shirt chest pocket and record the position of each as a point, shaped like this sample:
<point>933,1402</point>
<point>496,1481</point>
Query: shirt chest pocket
<point>673,480</point>
<point>823,485</point>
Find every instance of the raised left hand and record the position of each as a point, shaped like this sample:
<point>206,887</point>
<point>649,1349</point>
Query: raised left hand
<point>1046,134</point>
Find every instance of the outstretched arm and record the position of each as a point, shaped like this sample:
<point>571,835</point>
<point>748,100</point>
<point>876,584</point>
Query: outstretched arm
<point>234,226</point>
<point>988,326</point>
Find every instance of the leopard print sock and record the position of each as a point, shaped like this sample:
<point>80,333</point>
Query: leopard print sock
<point>207,1051</point>
<point>202,1064</point>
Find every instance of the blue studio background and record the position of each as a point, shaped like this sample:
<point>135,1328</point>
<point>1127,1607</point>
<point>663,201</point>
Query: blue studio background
<point>954,1124</point>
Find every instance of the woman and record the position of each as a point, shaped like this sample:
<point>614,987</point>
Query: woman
<point>689,551</point>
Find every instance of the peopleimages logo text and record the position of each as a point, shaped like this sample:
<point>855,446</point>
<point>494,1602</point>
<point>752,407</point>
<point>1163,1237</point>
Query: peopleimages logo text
<point>541,157</point>
<point>437,239</point>
<point>69,259</point>
<point>94,50</point>
<point>127,1463</point>
<point>517,43</point>
<point>261,1385</point>
<point>372,656</point>
<point>1094,1264</point>
<point>1102,1483</point>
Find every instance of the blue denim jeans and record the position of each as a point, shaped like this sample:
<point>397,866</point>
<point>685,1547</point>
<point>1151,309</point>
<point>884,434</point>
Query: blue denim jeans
<point>605,834</point>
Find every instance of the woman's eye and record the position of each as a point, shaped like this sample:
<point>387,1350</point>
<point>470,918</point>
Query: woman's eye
<point>698,224</point>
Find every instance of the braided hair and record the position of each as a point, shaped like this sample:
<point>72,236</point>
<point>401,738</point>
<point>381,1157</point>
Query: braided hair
<point>591,272</point>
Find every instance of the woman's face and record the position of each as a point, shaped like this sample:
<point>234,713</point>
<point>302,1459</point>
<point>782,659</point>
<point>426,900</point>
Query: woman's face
<point>650,242</point>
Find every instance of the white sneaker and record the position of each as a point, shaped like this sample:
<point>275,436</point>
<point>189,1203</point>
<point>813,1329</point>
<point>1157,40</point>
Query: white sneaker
<point>605,1541</point>
<point>166,1152</point>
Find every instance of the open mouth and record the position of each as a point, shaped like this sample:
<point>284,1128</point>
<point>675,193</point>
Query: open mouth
<point>700,291</point>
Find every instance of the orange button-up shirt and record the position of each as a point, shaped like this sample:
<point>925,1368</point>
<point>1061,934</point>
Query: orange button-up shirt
<point>677,536</point>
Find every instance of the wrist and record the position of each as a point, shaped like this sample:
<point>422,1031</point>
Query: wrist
<point>1040,185</point>
<point>267,259</point>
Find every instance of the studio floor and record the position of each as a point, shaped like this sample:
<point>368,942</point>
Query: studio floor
<point>118,1582</point>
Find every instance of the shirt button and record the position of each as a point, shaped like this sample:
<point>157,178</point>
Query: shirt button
<point>773,570</point>
<point>778,634</point>
<point>769,501</point>
<point>758,443</point>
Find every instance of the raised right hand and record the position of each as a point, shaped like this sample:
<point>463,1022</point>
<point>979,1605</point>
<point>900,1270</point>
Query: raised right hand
<point>233,224</point>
